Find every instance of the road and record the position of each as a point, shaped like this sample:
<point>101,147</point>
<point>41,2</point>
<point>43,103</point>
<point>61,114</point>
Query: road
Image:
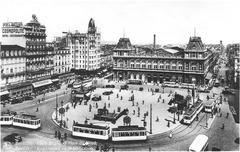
<point>182,135</point>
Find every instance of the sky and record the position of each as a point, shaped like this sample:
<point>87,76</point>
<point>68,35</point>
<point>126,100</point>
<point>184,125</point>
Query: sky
<point>173,21</point>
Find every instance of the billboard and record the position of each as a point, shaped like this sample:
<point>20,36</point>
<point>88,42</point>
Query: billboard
<point>12,29</point>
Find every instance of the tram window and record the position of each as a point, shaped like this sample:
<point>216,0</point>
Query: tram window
<point>74,129</point>
<point>101,132</point>
<point>131,134</point>
<point>7,119</point>
<point>39,121</point>
<point>11,118</point>
<point>25,121</point>
<point>136,134</point>
<point>104,133</point>
<point>97,132</point>
<point>21,121</point>
<point>1,119</point>
<point>80,130</point>
<point>86,131</point>
<point>91,131</point>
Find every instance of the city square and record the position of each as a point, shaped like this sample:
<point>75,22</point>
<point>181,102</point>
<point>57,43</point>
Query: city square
<point>119,76</point>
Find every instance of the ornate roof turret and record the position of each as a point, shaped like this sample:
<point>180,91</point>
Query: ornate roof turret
<point>91,27</point>
<point>195,43</point>
<point>124,43</point>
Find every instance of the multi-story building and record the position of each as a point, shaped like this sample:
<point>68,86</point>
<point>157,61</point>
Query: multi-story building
<point>38,53</point>
<point>62,61</point>
<point>106,56</point>
<point>38,63</point>
<point>233,55</point>
<point>158,65</point>
<point>13,71</point>
<point>85,48</point>
<point>13,64</point>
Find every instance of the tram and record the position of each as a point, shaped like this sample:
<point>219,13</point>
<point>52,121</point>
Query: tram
<point>128,133</point>
<point>26,121</point>
<point>91,131</point>
<point>6,118</point>
<point>209,106</point>
<point>192,113</point>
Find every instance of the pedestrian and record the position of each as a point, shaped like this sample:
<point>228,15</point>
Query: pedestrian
<point>56,134</point>
<point>37,109</point>
<point>227,115</point>
<point>162,100</point>
<point>223,126</point>
<point>59,135</point>
<point>65,136</point>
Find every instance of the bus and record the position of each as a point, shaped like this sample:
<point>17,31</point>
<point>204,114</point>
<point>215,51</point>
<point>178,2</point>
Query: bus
<point>199,144</point>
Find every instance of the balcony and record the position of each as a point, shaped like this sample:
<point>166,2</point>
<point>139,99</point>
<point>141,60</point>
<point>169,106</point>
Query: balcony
<point>147,70</point>
<point>148,56</point>
<point>4,75</point>
<point>36,42</point>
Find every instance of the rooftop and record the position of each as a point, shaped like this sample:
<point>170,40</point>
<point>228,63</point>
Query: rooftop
<point>124,43</point>
<point>126,128</point>
<point>91,126</point>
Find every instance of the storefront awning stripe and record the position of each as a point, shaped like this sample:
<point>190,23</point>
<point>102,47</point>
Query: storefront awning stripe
<point>42,83</point>
<point>4,93</point>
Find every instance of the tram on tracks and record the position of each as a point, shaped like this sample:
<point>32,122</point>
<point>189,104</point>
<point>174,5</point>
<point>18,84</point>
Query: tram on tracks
<point>191,113</point>
<point>26,121</point>
<point>129,133</point>
<point>6,118</point>
<point>91,131</point>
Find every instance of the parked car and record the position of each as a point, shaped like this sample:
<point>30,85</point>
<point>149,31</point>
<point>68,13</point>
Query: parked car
<point>141,89</point>
<point>107,92</point>
<point>12,138</point>
<point>110,86</point>
<point>96,98</point>
<point>28,98</point>
<point>15,101</point>
<point>124,87</point>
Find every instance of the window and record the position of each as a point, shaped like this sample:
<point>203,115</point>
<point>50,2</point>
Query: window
<point>149,66</point>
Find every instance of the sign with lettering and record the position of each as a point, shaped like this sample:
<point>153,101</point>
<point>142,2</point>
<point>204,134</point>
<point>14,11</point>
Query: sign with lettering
<point>12,29</point>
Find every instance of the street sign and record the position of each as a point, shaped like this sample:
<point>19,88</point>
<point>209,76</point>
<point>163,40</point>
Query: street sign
<point>61,110</point>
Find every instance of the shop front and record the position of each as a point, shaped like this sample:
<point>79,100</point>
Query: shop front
<point>42,87</point>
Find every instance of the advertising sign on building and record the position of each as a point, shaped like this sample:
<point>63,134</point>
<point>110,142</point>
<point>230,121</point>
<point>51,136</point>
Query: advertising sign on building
<point>12,29</point>
<point>13,34</point>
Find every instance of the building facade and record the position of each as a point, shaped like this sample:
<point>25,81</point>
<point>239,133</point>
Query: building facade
<point>233,55</point>
<point>13,64</point>
<point>39,60</point>
<point>62,61</point>
<point>158,65</point>
<point>85,48</point>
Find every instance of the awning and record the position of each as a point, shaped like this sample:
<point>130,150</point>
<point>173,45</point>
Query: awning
<point>42,83</point>
<point>209,76</point>
<point>79,95</point>
<point>55,80</point>
<point>4,93</point>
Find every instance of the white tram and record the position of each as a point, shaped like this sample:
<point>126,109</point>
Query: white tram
<point>26,121</point>
<point>209,106</point>
<point>6,118</point>
<point>191,113</point>
<point>91,131</point>
<point>127,133</point>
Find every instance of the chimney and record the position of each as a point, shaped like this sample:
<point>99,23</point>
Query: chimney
<point>154,41</point>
